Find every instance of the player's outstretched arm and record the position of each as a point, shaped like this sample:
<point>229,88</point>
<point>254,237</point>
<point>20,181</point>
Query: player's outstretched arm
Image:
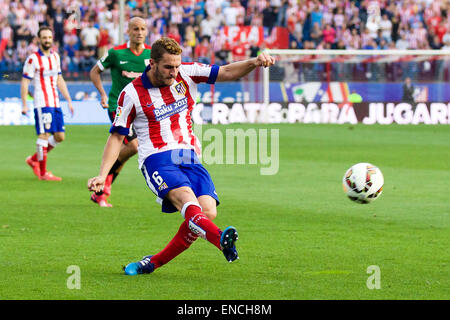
<point>237,70</point>
<point>110,154</point>
<point>96,79</point>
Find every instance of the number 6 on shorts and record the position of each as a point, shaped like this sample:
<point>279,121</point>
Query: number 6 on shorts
<point>157,178</point>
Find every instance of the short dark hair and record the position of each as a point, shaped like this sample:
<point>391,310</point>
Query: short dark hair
<point>42,29</point>
<point>164,45</point>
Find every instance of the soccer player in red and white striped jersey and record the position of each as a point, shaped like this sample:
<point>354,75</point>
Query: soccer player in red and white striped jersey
<point>43,69</point>
<point>159,104</point>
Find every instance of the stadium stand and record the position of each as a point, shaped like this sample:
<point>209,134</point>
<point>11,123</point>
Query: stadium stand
<point>86,29</point>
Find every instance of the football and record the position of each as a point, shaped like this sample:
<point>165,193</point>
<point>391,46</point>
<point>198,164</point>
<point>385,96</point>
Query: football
<point>363,182</point>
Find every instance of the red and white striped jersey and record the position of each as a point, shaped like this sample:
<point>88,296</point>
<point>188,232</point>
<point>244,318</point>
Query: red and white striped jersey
<point>43,71</point>
<point>161,116</point>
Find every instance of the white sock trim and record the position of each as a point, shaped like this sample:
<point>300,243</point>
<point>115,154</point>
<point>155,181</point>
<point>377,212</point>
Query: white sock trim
<point>186,205</point>
<point>42,142</point>
<point>52,141</point>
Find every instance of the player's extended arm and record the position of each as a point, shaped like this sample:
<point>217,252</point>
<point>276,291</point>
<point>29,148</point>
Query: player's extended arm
<point>24,94</point>
<point>237,70</point>
<point>62,86</point>
<point>96,79</point>
<point>110,154</point>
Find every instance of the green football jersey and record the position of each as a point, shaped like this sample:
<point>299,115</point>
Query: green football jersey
<point>125,66</point>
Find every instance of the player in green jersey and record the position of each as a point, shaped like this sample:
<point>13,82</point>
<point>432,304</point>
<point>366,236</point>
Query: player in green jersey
<point>126,61</point>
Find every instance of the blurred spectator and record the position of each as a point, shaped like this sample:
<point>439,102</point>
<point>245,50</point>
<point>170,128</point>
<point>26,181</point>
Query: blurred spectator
<point>254,49</point>
<point>190,37</point>
<point>402,43</point>
<point>222,56</point>
<point>386,28</point>
<point>186,54</point>
<point>154,35</point>
<point>268,16</point>
<point>174,33</point>
<point>316,34</point>
<point>329,34</point>
<point>435,43</point>
<point>234,13</point>
<point>207,27</point>
<point>104,41</point>
<point>202,52</point>
<point>90,36</point>
<point>408,91</point>
<point>22,51</point>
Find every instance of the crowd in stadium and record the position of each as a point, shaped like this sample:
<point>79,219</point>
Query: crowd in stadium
<point>86,29</point>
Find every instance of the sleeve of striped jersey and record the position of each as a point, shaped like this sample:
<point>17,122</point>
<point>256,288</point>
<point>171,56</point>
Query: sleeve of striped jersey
<point>199,72</point>
<point>125,114</point>
<point>106,61</point>
<point>28,68</point>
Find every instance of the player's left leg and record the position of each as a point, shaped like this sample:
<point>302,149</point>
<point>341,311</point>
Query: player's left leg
<point>228,236</point>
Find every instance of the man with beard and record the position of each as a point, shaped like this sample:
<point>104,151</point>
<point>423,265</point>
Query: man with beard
<point>159,105</point>
<point>43,68</point>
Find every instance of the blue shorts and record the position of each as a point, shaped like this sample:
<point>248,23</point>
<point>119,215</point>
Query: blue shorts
<point>48,119</point>
<point>173,169</point>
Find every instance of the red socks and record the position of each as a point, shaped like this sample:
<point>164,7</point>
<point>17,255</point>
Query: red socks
<point>195,224</point>
<point>43,147</point>
<point>182,240</point>
<point>200,224</point>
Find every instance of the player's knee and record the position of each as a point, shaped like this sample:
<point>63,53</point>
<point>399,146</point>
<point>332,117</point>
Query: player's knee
<point>134,146</point>
<point>59,137</point>
<point>211,213</point>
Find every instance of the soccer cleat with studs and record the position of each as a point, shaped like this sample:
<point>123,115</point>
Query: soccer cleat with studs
<point>227,240</point>
<point>139,267</point>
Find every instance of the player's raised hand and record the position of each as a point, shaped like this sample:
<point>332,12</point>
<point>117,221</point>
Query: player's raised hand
<point>24,110</point>
<point>96,184</point>
<point>265,60</point>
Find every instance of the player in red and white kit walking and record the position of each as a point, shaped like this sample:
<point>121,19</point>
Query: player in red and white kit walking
<point>159,105</point>
<point>43,68</point>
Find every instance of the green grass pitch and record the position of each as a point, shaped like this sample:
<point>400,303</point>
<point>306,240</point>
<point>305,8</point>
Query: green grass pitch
<point>299,236</point>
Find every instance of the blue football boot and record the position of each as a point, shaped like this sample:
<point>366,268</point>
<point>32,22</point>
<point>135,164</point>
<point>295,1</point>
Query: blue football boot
<point>140,267</point>
<point>227,240</point>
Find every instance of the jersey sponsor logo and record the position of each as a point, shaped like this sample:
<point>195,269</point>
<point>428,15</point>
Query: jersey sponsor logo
<point>131,74</point>
<point>164,111</point>
<point>181,88</point>
<point>50,73</point>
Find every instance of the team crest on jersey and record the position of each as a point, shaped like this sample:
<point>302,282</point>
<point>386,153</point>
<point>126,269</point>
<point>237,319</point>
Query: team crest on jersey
<point>163,186</point>
<point>181,88</point>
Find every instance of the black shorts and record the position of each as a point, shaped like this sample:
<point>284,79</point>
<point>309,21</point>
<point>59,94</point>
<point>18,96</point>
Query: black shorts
<point>131,136</point>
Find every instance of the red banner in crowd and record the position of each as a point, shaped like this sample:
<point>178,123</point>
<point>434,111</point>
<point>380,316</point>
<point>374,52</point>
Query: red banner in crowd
<point>246,35</point>
<point>243,35</point>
